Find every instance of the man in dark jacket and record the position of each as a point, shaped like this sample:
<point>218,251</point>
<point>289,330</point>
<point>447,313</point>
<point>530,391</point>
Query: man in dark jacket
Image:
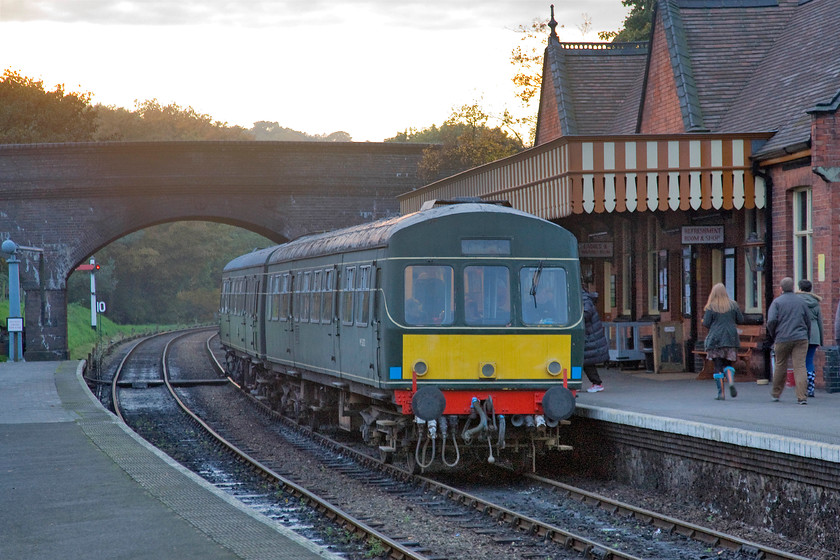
<point>789,327</point>
<point>596,350</point>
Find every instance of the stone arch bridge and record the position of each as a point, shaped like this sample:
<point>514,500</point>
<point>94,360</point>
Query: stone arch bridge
<point>72,199</point>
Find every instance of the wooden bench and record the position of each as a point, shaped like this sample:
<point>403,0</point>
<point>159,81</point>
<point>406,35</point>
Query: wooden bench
<point>749,339</point>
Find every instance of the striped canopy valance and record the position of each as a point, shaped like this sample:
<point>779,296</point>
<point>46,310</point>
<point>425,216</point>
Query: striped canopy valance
<point>584,175</point>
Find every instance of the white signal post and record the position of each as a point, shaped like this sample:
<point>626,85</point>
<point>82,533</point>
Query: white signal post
<point>93,308</point>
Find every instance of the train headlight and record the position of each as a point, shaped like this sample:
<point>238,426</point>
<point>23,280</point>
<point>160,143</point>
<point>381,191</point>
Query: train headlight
<point>488,370</point>
<point>420,368</point>
<point>554,368</point>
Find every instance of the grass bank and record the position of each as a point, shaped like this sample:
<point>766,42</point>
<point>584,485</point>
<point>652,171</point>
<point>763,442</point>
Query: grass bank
<point>81,338</point>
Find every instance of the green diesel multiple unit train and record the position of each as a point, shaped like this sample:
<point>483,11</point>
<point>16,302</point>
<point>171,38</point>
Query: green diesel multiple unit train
<point>454,332</point>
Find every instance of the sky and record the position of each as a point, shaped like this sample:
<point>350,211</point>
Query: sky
<point>370,68</point>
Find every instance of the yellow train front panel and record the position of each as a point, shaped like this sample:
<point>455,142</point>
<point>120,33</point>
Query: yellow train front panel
<point>509,359</point>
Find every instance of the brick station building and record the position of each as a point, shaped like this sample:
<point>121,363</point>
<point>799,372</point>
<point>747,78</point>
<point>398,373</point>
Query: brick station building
<point>709,153</point>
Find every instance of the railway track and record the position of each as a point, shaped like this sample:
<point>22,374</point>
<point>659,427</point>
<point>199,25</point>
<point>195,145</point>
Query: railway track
<point>146,372</point>
<point>480,514</point>
<point>659,523</point>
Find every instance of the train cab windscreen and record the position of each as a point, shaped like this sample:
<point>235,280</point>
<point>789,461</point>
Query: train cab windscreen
<point>429,295</point>
<point>487,295</point>
<point>544,296</point>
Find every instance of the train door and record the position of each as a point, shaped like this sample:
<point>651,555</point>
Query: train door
<point>357,340</point>
<point>253,289</point>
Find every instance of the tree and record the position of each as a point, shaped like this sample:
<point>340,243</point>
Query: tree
<point>151,121</point>
<point>465,140</point>
<point>636,24</point>
<point>29,113</point>
<point>164,274</point>
<point>264,130</point>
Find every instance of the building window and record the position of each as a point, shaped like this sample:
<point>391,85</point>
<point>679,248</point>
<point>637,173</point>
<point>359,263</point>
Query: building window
<point>626,269</point>
<point>802,235</point>
<point>729,272</point>
<point>754,232</point>
<point>653,277</point>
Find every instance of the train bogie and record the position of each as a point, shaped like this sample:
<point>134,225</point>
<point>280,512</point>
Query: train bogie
<point>448,332</point>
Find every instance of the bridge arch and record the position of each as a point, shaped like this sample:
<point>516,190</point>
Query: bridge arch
<point>72,199</point>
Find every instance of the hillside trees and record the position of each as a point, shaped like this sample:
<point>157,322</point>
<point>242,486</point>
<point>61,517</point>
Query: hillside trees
<point>465,140</point>
<point>150,121</point>
<point>29,113</point>
<point>165,274</point>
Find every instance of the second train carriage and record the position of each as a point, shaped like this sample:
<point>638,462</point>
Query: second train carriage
<point>453,331</point>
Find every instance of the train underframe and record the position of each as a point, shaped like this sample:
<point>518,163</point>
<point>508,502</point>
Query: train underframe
<point>445,441</point>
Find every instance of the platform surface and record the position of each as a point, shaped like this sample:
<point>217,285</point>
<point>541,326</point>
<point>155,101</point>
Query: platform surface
<point>681,403</point>
<point>77,484</point>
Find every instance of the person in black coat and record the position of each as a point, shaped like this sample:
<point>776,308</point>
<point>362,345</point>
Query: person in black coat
<point>721,316</point>
<point>596,349</point>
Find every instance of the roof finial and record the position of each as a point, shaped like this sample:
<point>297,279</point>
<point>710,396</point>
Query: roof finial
<point>552,23</point>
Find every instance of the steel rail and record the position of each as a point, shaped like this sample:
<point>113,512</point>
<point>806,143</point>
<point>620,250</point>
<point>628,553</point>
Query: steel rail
<point>666,523</point>
<point>332,512</point>
<point>589,548</point>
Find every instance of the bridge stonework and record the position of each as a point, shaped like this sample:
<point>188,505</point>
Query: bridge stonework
<point>72,199</point>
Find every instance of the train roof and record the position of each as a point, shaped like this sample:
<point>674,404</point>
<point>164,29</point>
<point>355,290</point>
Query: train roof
<point>364,236</point>
<point>258,257</point>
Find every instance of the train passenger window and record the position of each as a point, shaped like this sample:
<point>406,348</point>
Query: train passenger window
<point>544,295</point>
<point>286,297</point>
<point>223,300</point>
<point>274,298</point>
<point>240,296</point>
<point>296,302</point>
<point>348,282</point>
<point>305,290</point>
<point>329,294</point>
<point>487,295</point>
<point>315,306</point>
<point>429,295</point>
<point>363,297</point>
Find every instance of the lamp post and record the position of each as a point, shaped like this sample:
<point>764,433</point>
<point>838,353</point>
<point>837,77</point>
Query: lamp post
<point>15,320</point>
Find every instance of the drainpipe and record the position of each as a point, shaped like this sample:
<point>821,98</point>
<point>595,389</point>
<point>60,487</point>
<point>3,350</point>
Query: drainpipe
<point>768,253</point>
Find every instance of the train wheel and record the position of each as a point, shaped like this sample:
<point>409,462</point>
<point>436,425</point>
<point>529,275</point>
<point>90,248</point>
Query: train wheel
<point>387,457</point>
<point>411,463</point>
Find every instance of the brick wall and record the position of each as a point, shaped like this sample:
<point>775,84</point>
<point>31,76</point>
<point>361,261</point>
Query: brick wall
<point>73,199</point>
<point>661,113</point>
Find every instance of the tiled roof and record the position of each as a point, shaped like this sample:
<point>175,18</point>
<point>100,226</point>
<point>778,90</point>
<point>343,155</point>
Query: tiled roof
<point>800,71</point>
<point>739,66</point>
<point>726,45</point>
<point>594,83</point>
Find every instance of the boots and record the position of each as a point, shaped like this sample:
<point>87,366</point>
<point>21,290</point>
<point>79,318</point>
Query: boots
<point>719,383</point>
<point>811,378</point>
<point>730,377</point>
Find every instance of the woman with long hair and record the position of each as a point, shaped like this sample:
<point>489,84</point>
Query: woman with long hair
<point>721,317</point>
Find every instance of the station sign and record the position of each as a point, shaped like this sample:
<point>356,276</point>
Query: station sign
<point>702,235</point>
<point>603,250</point>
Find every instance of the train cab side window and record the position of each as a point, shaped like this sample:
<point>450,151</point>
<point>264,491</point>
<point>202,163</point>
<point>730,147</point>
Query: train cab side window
<point>486,295</point>
<point>329,295</point>
<point>429,295</point>
<point>347,293</point>
<point>286,297</point>
<point>545,300</point>
<point>363,297</point>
